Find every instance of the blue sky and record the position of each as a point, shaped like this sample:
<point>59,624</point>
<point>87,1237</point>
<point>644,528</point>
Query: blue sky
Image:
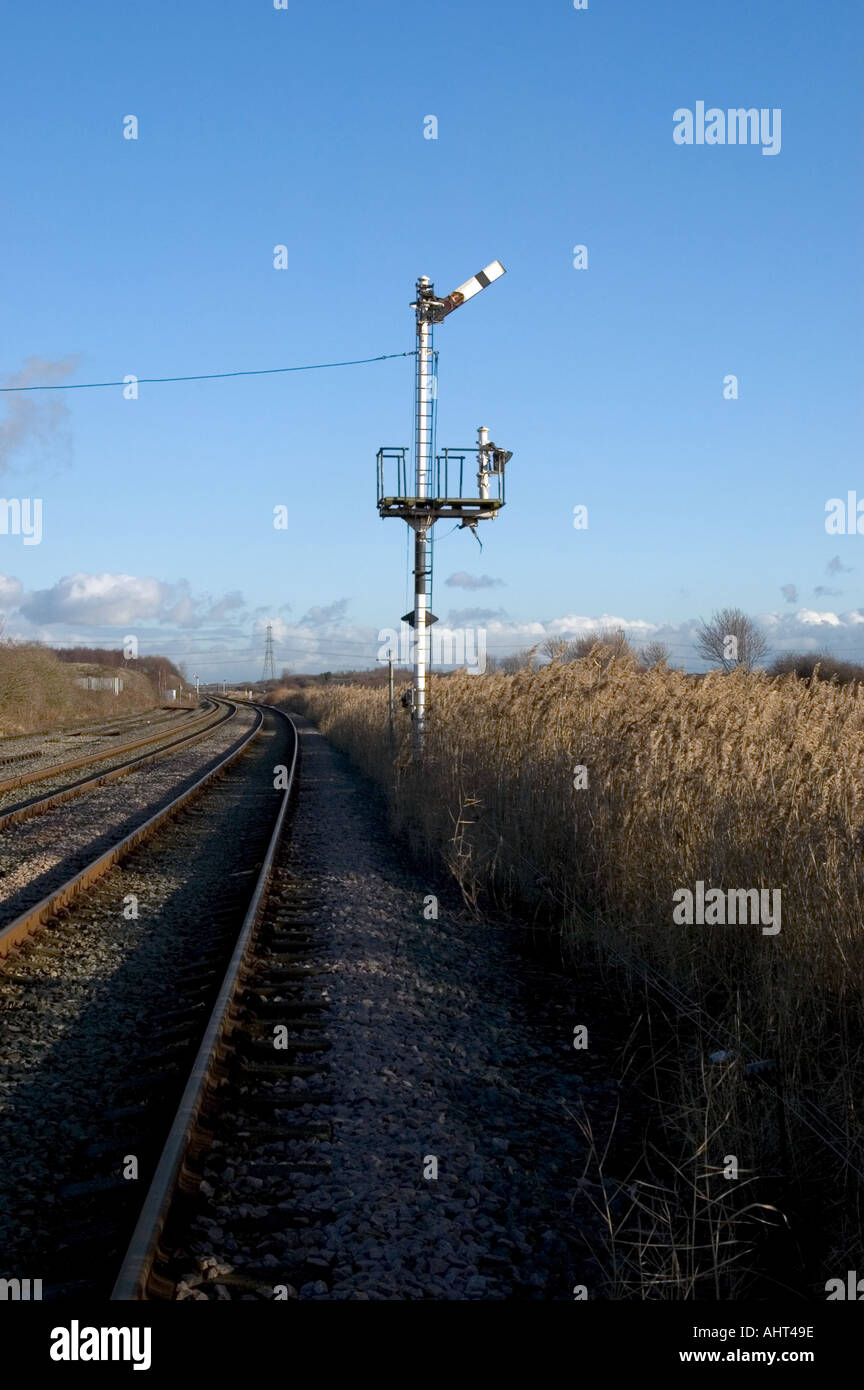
<point>304,127</point>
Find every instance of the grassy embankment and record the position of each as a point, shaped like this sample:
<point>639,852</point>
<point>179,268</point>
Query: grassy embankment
<point>38,691</point>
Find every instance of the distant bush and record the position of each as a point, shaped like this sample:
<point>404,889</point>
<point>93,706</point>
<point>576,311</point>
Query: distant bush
<point>821,665</point>
<point>376,676</point>
<point>605,645</point>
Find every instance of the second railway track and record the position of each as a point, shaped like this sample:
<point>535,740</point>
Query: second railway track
<point>167,733</point>
<point>43,866</point>
<point>100,1010</point>
<point>46,800</point>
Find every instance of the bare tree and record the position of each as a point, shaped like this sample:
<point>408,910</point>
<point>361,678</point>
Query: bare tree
<point>731,639</point>
<point>558,649</point>
<point>518,661</point>
<point>654,654</point>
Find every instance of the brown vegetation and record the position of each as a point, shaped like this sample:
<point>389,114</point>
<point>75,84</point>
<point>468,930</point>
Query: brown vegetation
<point>38,691</point>
<point>738,780</point>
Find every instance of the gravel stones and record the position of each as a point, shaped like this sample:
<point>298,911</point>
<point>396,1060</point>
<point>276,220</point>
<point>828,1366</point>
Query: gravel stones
<point>453,1154</point>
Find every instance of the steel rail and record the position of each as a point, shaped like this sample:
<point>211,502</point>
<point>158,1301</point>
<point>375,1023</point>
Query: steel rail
<point>136,1270</point>
<point>33,917</point>
<point>39,804</point>
<point>57,769</point>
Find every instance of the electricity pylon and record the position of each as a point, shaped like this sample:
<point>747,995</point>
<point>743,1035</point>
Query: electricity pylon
<point>269,672</point>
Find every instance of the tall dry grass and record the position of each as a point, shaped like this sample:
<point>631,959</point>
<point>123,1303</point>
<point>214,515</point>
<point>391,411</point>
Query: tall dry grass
<point>740,781</point>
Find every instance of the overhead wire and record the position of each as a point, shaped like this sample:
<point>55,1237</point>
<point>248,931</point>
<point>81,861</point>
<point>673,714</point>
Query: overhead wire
<point>204,376</point>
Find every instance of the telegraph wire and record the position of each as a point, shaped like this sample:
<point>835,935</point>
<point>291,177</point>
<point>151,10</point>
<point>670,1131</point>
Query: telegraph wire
<point>206,376</point>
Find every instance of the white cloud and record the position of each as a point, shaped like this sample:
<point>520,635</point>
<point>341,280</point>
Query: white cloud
<point>807,617</point>
<point>122,600</point>
<point>97,609</point>
<point>111,600</point>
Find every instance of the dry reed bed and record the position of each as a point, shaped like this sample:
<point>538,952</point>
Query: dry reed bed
<point>741,781</point>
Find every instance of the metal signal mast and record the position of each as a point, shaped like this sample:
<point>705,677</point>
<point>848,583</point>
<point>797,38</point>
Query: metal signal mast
<point>432,497</point>
<point>269,671</point>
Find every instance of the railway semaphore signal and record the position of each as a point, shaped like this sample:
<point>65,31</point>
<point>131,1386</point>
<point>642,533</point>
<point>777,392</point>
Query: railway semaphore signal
<point>432,498</point>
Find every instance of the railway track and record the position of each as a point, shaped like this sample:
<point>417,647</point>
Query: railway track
<point>83,1202</point>
<point>168,1117</point>
<point>34,806</point>
<point>37,906</point>
<point>53,770</point>
<point>261,1062</point>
